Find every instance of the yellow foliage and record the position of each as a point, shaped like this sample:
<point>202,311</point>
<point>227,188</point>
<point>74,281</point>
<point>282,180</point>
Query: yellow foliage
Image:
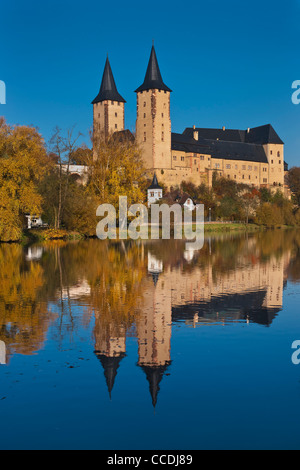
<point>23,162</point>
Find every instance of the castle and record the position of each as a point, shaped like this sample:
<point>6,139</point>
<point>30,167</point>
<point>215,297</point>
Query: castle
<point>253,156</point>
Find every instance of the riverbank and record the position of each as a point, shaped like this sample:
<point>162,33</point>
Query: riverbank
<point>41,235</point>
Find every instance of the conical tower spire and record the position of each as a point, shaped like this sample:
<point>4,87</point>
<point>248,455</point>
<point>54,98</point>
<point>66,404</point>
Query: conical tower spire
<point>154,376</point>
<point>110,366</point>
<point>153,79</point>
<point>108,90</point>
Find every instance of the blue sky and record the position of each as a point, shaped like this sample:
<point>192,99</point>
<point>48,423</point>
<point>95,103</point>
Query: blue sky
<point>228,63</point>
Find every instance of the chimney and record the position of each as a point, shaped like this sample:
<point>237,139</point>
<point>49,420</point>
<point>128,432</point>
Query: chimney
<point>195,133</point>
<point>248,130</point>
<point>224,128</point>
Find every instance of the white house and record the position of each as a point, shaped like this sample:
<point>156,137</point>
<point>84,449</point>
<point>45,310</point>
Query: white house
<point>34,221</point>
<point>155,192</point>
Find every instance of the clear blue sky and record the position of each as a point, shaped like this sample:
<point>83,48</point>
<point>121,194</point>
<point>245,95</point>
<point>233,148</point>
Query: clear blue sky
<point>228,63</point>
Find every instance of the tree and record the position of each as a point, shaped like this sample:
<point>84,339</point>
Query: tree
<point>56,184</point>
<point>293,181</point>
<point>116,169</point>
<point>23,164</point>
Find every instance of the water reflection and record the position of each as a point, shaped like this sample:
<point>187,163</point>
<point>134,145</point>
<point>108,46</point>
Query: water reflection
<point>140,290</point>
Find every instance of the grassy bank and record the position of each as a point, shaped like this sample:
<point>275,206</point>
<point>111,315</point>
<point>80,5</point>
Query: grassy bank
<point>52,234</point>
<point>228,227</point>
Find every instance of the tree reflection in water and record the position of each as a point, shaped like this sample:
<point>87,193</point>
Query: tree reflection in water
<point>139,289</point>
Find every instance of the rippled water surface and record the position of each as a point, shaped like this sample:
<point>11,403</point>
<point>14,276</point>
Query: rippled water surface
<point>149,346</point>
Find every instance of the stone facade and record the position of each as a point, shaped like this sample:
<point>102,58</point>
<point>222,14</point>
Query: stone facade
<point>254,156</point>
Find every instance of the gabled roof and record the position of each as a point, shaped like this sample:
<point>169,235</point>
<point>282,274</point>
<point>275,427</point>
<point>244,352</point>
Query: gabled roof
<point>232,135</point>
<point>186,143</point>
<point>108,90</point>
<point>257,135</point>
<point>263,135</point>
<point>154,184</point>
<point>238,151</point>
<point>153,79</point>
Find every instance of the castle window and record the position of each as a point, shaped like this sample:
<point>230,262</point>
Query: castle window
<point>197,169</point>
<point>249,177</point>
<point>116,126</point>
<point>112,102</point>
<point>162,115</point>
<point>201,157</point>
<point>243,167</point>
<point>182,159</point>
<point>272,161</point>
<point>265,180</point>
<point>236,167</point>
<point>235,177</point>
<point>255,169</point>
<point>243,177</point>
<point>249,167</point>
<point>152,194</point>
<point>144,115</point>
<point>228,167</point>
<point>271,152</point>
<point>98,115</point>
<point>278,154</point>
<point>144,104</point>
<point>119,103</point>
<point>174,157</point>
<point>116,114</point>
<point>279,162</point>
<point>144,136</point>
<point>195,162</point>
<point>162,136</point>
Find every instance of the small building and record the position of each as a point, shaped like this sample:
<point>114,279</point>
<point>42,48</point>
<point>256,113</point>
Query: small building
<point>34,221</point>
<point>155,192</point>
<point>187,202</point>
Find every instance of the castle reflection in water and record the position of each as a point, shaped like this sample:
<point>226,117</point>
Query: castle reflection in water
<point>140,290</point>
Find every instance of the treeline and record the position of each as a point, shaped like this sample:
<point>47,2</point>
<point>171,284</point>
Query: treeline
<point>231,201</point>
<point>36,179</point>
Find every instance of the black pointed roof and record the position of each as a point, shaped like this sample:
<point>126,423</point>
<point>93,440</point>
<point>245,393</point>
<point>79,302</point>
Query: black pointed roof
<point>153,79</point>
<point>154,376</point>
<point>108,89</point>
<point>110,365</point>
<point>154,184</point>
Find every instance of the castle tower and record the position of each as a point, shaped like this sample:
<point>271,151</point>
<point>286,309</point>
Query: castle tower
<point>153,123</point>
<point>109,106</point>
<point>154,330</point>
<point>110,348</point>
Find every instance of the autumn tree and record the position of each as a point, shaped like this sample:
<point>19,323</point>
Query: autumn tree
<point>23,164</point>
<point>293,181</point>
<point>116,169</point>
<point>56,185</point>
